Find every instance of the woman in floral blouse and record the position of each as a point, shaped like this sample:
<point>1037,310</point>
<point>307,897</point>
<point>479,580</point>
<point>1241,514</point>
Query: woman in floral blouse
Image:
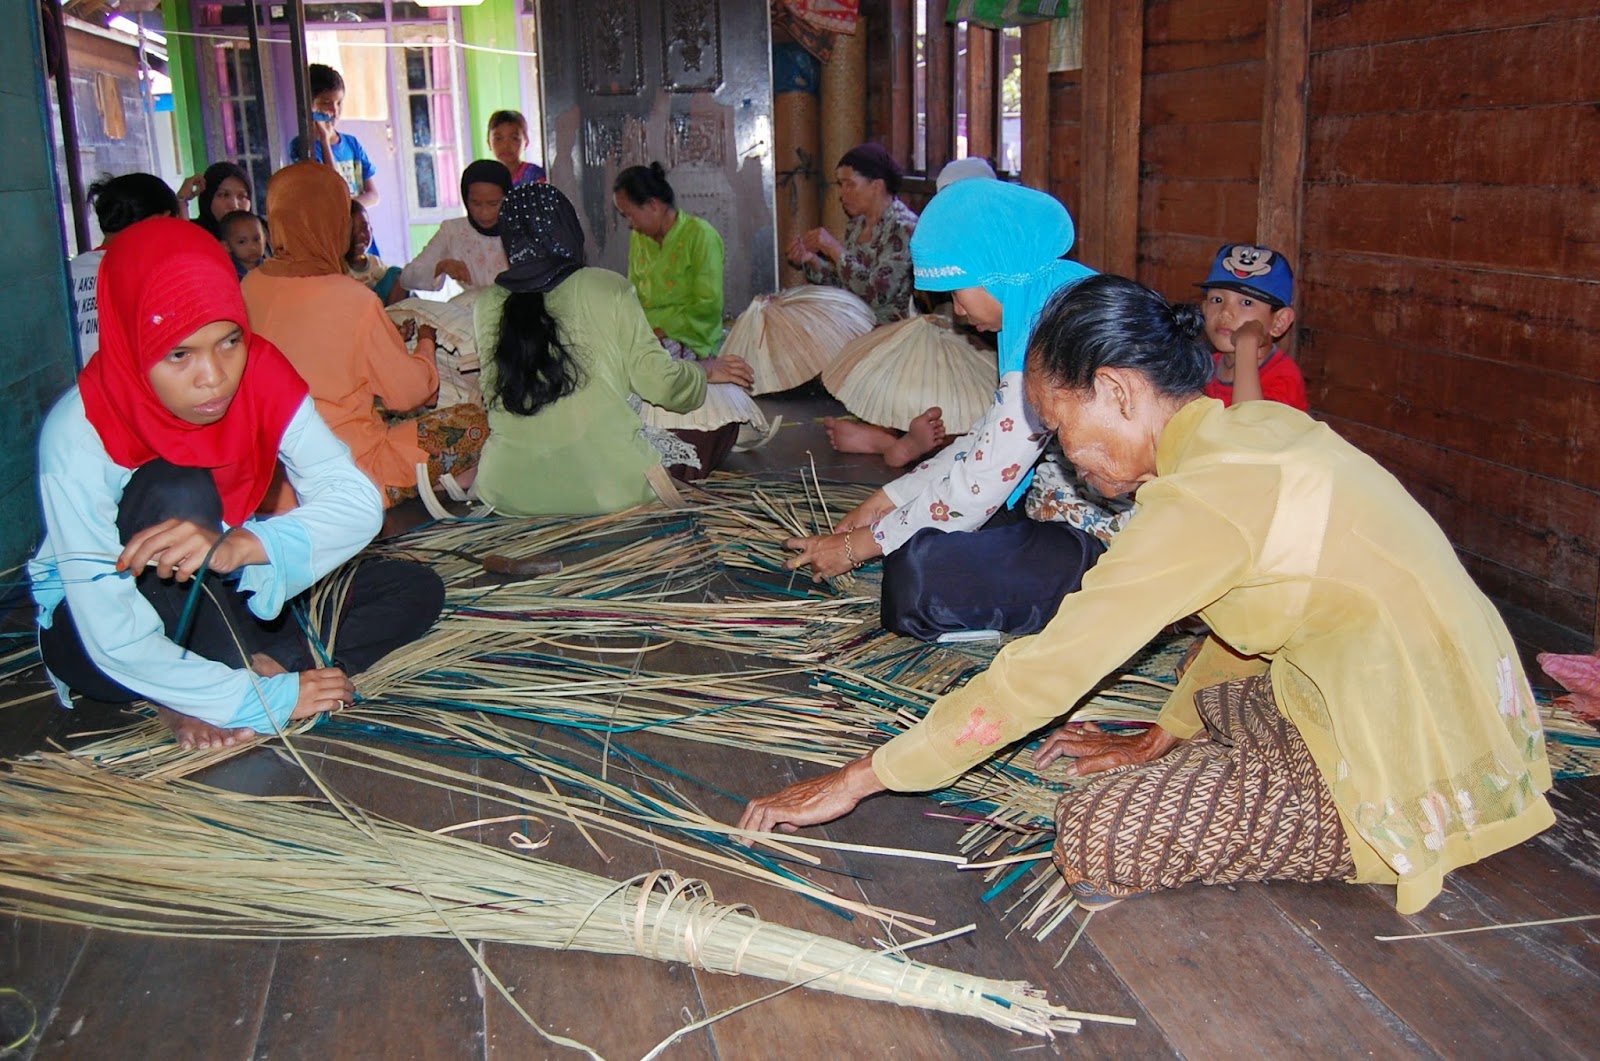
<point>874,261</point>
<point>960,556</point>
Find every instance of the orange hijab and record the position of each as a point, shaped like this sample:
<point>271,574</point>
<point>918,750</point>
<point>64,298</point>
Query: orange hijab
<point>161,281</point>
<point>309,207</point>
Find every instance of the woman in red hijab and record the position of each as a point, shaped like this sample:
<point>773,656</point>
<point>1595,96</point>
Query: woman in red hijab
<point>153,466</point>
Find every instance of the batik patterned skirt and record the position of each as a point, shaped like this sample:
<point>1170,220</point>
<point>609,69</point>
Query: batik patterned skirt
<point>1243,801</point>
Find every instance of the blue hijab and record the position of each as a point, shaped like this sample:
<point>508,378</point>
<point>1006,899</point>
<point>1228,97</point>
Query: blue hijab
<point>1008,240</point>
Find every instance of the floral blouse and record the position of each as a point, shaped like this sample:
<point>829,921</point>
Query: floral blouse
<point>961,486</point>
<point>877,271</point>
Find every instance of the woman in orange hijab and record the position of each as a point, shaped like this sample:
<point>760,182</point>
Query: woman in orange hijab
<point>333,329</point>
<point>150,472</point>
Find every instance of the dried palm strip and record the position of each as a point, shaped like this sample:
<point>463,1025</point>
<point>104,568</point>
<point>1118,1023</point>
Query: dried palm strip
<point>179,859</point>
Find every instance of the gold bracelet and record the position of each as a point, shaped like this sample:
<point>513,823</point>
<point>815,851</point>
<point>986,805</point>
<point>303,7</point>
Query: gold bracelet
<point>849,551</point>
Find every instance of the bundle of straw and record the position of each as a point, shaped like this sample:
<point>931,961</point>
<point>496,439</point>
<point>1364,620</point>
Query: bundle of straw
<point>455,344</point>
<point>894,373</point>
<point>791,336</point>
<point>80,846</point>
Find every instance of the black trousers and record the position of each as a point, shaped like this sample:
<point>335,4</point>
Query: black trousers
<point>389,603</point>
<point>1009,575</point>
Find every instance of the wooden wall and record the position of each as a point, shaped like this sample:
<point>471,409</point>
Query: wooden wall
<point>1066,136</point>
<point>1450,284</point>
<point>1449,297</point>
<point>1200,136</point>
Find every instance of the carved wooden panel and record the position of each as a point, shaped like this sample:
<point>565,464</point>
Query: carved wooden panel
<point>613,49</point>
<point>698,139</point>
<point>687,83</point>
<point>613,142</point>
<point>691,45</point>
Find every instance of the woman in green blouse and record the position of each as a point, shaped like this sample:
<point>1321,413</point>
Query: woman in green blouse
<point>674,260</point>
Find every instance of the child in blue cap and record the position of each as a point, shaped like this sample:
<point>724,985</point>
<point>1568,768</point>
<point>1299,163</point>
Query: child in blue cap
<point>1248,308</point>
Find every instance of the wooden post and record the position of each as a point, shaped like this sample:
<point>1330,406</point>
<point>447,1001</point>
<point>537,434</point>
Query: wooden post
<point>1280,200</point>
<point>941,87</point>
<point>1036,105</point>
<point>900,37</point>
<point>981,108</point>
<point>1113,71</point>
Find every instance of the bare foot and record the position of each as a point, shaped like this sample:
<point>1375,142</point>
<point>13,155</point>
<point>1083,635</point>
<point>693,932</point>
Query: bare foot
<point>193,733</point>
<point>926,435</point>
<point>852,436</point>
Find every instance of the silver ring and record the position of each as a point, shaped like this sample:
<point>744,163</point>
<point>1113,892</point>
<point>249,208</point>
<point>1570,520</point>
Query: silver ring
<point>342,705</point>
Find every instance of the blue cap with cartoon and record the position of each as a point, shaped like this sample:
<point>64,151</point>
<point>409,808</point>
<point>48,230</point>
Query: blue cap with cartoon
<point>1257,271</point>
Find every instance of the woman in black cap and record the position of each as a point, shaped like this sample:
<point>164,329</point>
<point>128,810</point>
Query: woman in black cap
<point>874,259</point>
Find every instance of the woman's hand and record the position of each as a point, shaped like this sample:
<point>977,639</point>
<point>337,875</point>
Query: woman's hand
<point>192,188</point>
<point>813,802</point>
<point>408,329</point>
<point>730,369</point>
<point>324,689</point>
<point>799,254</point>
<point>428,334</point>
<point>455,269</point>
<point>867,513</point>
<point>832,554</point>
<point>826,244</point>
<point>178,547</point>
<point>1096,750</point>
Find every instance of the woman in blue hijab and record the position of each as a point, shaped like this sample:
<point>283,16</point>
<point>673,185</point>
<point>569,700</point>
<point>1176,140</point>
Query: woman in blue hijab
<point>959,558</point>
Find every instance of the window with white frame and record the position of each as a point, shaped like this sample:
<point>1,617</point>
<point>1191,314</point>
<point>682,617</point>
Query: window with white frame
<point>431,124</point>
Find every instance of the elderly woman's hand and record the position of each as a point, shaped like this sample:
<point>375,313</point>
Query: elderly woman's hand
<point>729,369</point>
<point>1096,750</point>
<point>832,554</point>
<point>868,512</point>
<point>814,801</point>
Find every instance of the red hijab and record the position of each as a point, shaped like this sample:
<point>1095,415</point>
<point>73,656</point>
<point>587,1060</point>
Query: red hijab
<point>161,281</point>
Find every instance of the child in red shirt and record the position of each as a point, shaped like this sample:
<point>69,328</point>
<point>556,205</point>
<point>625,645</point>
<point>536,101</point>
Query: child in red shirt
<point>1247,307</point>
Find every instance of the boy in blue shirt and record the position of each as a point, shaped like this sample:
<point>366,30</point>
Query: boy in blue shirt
<point>340,150</point>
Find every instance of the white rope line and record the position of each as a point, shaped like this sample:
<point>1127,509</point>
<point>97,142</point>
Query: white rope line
<point>463,45</point>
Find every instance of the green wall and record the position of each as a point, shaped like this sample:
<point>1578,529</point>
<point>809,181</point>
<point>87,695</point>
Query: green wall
<point>494,82</point>
<point>37,351</point>
<point>186,82</point>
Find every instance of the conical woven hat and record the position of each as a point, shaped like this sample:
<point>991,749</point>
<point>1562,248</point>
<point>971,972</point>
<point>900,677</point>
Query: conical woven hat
<point>790,337</point>
<point>896,372</point>
<point>726,403</point>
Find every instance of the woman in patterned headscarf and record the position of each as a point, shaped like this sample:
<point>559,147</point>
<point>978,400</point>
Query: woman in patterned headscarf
<point>564,349</point>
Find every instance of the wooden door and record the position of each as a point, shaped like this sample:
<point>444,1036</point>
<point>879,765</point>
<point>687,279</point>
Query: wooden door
<point>687,83</point>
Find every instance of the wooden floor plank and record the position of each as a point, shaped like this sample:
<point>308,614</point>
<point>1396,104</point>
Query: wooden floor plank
<point>1085,981</point>
<point>379,998</point>
<point>138,996</point>
<point>36,960</point>
<point>1217,967</point>
<point>1446,1001</point>
<point>578,995</point>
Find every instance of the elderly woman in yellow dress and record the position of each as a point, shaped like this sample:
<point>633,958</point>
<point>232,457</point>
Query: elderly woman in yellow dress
<point>1358,712</point>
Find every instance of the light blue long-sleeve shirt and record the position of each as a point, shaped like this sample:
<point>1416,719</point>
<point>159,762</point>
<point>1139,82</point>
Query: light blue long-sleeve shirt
<point>80,487</point>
